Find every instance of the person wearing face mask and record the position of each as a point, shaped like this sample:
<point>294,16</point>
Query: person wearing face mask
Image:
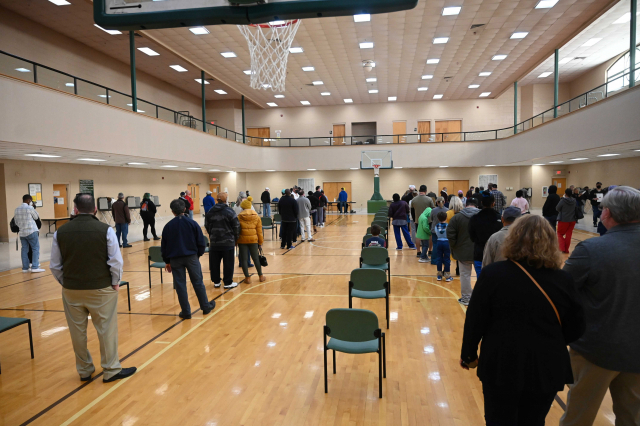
<point>595,202</point>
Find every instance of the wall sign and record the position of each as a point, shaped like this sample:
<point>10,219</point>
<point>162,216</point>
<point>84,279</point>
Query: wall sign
<point>35,190</point>
<point>86,186</point>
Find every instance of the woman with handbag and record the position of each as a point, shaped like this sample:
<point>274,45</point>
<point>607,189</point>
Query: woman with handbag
<point>250,241</point>
<point>523,311</point>
<point>566,209</point>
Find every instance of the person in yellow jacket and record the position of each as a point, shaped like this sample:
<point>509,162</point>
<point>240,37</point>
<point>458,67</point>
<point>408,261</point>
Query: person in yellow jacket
<point>250,240</point>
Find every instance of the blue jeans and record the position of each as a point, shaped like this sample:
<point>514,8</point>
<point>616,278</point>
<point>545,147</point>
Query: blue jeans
<point>122,229</point>
<point>33,242</point>
<point>343,205</point>
<point>179,268</point>
<point>434,253</point>
<point>477,265</point>
<point>407,237</point>
<point>444,255</point>
<point>314,216</point>
<point>596,214</point>
<point>190,214</point>
<point>266,210</point>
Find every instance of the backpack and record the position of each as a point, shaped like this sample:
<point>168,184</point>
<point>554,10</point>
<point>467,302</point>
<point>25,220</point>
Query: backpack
<point>14,227</point>
<point>144,206</point>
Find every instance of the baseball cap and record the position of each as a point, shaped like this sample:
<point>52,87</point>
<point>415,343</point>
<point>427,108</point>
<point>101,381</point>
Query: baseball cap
<point>182,194</point>
<point>511,213</point>
<point>412,187</point>
<point>266,189</point>
<point>209,192</point>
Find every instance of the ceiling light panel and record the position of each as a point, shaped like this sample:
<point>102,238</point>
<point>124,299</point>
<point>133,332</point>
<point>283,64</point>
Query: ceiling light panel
<point>427,77</point>
<point>373,91</point>
<point>519,35</point>
<point>546,4</point>
<point>392,98</point>
<point>296,50</point>
<point>432,61</point>
<point>499,57</point>
<point>348,101</point>
<point>365,17</point>
<point>272,104</point>
<point>178,68</point>
<point>545,74</point>
<point>437,96</point>
<point>148,51</point>
<point>279,96</point>
<point>371,80</point>
<point>440,40</point>
<point>325,93</point>
<point>200,81</point>
<point>366,45</point>
<point>220,92</point>
<point>60,2</point>
<point>305,102</point>
<point>591,42</point>
<point>112,32</point>
<point>308,69</point>
<point>450,11</point>
<point>228,55</point>
<point>484,94</point>
<point>199,30</point>
<point>474,86</point>
<point>422,89</point>
<point>484,74</point>
<point>318,83</point>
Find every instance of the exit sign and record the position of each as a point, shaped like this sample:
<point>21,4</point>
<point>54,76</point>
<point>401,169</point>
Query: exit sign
<point>214,179</point>
<point>558,172</point>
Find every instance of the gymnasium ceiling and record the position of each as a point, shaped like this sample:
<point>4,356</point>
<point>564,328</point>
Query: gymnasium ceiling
<point>403,41</point>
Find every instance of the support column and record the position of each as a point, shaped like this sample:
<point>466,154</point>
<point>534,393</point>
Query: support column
<point>556,81</point>
<point>204,104</point>
<point>244,138</point>
<point>632,44</point>
<point>515,107</point>
<point>132,56</point>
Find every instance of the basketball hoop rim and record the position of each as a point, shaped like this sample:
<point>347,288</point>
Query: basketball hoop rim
<point>286,24</point>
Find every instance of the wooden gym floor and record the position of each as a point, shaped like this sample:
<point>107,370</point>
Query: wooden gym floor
<point>257,358</point>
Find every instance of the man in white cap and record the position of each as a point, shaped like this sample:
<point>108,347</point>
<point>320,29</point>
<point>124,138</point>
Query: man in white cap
<point>208,202</point>
<point>266,203</point>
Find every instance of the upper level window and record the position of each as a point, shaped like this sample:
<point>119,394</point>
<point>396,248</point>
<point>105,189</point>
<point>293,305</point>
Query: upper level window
<point>618,73</point>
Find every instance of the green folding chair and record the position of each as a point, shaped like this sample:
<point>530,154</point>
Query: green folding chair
<point>277,220</point>
<point>376,258</point>
<point>382,224</point>
<point>354,331</point>
<point>7,323</point>
<point>156,261</point>
<point>384,233</point>
<point>365,238</point>
<point>206,249</point>
<point>126,283</point>
<point>369,284</point>
<point>267,223</point>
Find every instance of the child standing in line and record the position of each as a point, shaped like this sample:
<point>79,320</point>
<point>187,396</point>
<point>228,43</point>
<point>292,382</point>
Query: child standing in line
<point>442,248</point>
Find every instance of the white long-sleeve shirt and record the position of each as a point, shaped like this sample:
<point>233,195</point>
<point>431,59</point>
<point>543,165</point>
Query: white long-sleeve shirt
<point>115,261</point>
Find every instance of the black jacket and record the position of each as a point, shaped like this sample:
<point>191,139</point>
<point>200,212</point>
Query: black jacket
<point>481,227</point>
<point>549,208</point>
<point>223,227</point>
<point>314,201</point>
<point>523,345</point>
<point>320,197</point>
<point>288,209</point>
<point>181,236</point>
<point>265,197</point>
<point>151,209</point>
<point>592,195</point>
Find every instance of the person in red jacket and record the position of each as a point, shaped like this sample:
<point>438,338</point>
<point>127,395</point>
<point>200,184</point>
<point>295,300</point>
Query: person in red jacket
<point>187,196</point>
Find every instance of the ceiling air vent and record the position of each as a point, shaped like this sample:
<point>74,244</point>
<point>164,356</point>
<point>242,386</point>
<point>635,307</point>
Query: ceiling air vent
<point>474,26</point>
<point>477,29</point>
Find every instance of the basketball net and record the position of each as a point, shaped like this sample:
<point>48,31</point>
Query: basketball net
<point>269,50</point>
<point>376,169</point>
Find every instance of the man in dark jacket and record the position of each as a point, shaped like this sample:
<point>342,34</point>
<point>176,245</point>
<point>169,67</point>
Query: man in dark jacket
<point>321,206</point>
<point>549,209</point>
<point>122,218</point>
<point>595,201</point>
<point>266,203</point>
<point>462,247</point>
<point>314,209</point>
<point>182,245</point>
<point>223,227</point>
<point>288,208</point>
<point>148,214</point>
<point>481,227</point>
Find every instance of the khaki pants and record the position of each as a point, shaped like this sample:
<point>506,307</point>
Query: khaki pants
<point>591,384</point>
<point>102,305</point>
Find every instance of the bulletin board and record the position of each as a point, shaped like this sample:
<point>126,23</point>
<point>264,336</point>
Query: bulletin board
<point>35,190</point>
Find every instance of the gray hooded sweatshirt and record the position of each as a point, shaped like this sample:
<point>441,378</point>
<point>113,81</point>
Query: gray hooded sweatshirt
<point>458,234</point>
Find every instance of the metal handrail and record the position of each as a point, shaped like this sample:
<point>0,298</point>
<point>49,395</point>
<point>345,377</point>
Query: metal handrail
<point>186,119</point>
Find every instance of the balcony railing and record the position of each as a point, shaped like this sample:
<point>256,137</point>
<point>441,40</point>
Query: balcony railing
<point>24,69</point>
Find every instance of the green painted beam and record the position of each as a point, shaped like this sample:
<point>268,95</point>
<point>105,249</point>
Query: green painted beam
<point>556,81</point>
<point>132,56</point>
<point>244,138</point>
<point>515,107</point>
<point>204,103</point>
<point>632,43</point>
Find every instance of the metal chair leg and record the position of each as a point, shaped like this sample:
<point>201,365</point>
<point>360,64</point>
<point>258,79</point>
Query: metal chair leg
<point>334,361</point>
<point>149,275</point>
<point>30,338</point>
<point>326,380</point>
<point>161,282</point>
<point>384,355</point>
<point>387,303</point>
<point>128,298</point>
<point>380,371</point>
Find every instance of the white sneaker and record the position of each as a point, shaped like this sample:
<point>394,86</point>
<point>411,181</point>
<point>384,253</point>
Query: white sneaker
<point>232,285</point>
<point>26,270</point>
<point>38,270</point>
<point>303,240</point>
<point>216,285</point>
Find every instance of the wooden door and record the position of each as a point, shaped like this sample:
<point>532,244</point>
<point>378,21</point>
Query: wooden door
<point>332,190</point>
<point>453,186</point>
<point>215,189</point>
<point>561,183</point>
<point>195,195</point>
<point>448,126</point>
<point>60,201</point>
<point>338,134</point>
<point>445,184</point>
<point>424,128</point>
<point>400,128</point>
<point>257,134</point>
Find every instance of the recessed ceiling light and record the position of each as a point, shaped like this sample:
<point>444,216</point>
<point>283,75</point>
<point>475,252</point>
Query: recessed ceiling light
<point>90,159</point>
<point>168,166</point>
<point>545,74</point>
<point>607,155</point>
<point>432,61</point>
<point>371,80</point>
<point>373,91</point>
<point>443,167</point>
<point>269,170</point>
<point>112,32</point>
<point>519,35</point>
<point>348,101</point>
<point>60,2</point>
<point>440,40</point>
<point>325,93</point>
<point>490,165</point>
<point>579,159</point>
<point>272,104</point>
<point>279,96</point>
<point>555,162</point>
<point>228,55</point>
<point>199,30</point>
<point>248,72</point>
<point>437,96</point>
<point>546,4</point>
<point>308,69</point>
<point>178,68</point>
<point>422,89</point>
<point>392,98</point>
<point>498,57</point>
<point>148,51</point>
<point>22,70</point>
<point>565,61</point>
<point>318,83</point>
<point>484,94</point>
<point>591,42</point>
<point>539,164</point>
<point>312,170</point>
<point>484,74</point>
<point>366,45</point>
<point>43,155</point>
<point>214,170</point>
<point>637,150</point>
<point>453,10</point>
<point>474,86</point>
<point>305,102</point>
<point>200,81</point>
<point>136,164</point>
<point>69,84</point>
<point>427,77</point>
<point>365,17</point>
<point>354,168</point>
<point>194,168</point>
<point>220,92</point>
<point>398,167</point>
<point>296,50</point>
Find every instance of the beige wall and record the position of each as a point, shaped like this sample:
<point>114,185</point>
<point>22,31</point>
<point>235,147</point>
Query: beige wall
<point>108,182</point>
<point>591,78</point>
<point>32,41</point>
<point>4,219</point>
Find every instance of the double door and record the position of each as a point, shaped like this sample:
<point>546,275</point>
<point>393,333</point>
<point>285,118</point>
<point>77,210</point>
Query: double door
<point>453,186</point>
<point>195,195</point>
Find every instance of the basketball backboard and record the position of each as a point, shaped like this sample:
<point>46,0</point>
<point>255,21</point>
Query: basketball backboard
<point>148,14</point>
<point>382,158</point>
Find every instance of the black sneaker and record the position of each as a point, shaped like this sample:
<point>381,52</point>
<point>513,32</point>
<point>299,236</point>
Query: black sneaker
<point>146,239</point>
<point>213,306</point>
<point>85,379</point>
<point>156,238</point>
<point>123,374</point>
<point>183,316</point>
<point>127,245</point>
